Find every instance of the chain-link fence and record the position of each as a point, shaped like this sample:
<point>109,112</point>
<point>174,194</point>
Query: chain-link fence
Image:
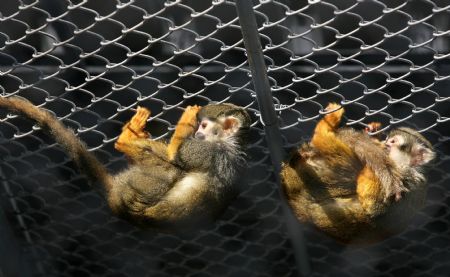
<point>92,62</point>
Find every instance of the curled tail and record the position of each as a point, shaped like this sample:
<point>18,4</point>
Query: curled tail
<point>86,161</point>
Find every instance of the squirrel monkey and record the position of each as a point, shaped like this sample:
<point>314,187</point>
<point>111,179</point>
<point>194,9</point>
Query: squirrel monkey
<point>187,182</point>
<point>354,187</point>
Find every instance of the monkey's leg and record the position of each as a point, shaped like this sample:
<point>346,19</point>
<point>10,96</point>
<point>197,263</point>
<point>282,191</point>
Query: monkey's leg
<point>370,193</point>
<point>185,127</point>
<point>163,211</point>
<point>328,124</point>
<point>140,149</point>
<point>324,137</point>
<point>134,129</point>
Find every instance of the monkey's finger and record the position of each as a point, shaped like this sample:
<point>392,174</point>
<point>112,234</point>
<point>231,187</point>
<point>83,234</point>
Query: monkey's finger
<point>334,118</point>
<point>193,109</point>
<point>141,111</point>
<point>140,118</point>
<point>144,134</point>
<point>332,106</point>
<point>373,127</point>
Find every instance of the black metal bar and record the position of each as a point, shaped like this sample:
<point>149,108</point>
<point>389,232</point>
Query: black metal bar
<point>258,69</point>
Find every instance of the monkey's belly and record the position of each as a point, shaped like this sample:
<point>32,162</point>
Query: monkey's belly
<point>149,201</point>
<point>193,185</point>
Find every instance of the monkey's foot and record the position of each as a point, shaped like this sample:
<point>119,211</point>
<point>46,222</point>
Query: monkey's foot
<point>134,129</point>
<point>395,191</point>
<point>334,118</point>
<point>373,127</point>
<point>138,122</point>
<point>186,126</point>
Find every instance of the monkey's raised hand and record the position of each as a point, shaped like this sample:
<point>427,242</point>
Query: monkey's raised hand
<point>186,127</point>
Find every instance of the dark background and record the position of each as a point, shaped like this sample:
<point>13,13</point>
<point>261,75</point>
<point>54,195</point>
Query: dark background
<point>93,62</point>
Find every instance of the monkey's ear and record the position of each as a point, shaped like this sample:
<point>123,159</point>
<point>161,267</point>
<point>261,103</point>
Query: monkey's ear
<point>231,124</point>
<point>420,155</point>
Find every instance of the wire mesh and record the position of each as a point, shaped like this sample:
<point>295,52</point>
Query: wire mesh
<point>93,62</point>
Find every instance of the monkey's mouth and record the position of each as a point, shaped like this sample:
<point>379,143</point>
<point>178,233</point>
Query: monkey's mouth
<point>199,136</point>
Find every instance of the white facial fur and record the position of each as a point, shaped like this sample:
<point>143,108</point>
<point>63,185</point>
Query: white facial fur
<point>221,129</point>
<point>209,130</point>
<point>399,157</point>
<point>418,155</point>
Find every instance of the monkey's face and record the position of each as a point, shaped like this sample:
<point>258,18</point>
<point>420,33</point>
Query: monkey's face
<point>407,150</point>
<point>397,150</point>
<point>217,130</point>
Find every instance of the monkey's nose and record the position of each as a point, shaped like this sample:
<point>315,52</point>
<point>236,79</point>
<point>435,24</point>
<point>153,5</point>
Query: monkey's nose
<point>200,136</point>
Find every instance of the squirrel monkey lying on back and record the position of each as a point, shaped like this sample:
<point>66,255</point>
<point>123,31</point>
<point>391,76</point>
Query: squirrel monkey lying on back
<point>354,187</point>
<point>186,182</point>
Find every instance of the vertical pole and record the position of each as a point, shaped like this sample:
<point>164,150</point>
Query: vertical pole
<point>269,118</point>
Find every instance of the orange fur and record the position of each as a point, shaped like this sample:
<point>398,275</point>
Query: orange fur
<point>324,137</point>
<point>133,137</point>
<point>185,127</point>
<point>133,130</point>
<point>368,188</point>
<point>327,184</point>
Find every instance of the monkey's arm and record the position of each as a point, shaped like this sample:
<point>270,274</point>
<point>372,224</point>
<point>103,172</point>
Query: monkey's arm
<point>196,154</point>
<point>370,192</point>
<point>185,128</point>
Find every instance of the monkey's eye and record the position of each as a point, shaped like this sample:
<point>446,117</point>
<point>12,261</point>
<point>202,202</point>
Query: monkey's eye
<point>204,124</point>
<point>392,140</point>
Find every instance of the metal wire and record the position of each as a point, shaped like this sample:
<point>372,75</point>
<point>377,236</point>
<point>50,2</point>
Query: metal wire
<point>93,62</point>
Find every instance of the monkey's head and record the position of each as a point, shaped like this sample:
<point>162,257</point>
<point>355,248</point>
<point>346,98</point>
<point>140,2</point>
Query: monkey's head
<point>409,148</point>
<point>218,122</point>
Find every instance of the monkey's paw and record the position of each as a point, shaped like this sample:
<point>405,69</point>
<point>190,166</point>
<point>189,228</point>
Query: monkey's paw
<point>186,126</point>
<point>140,117</point>
<point>191,112</point>
<point>138,122</point>
<point>373,127</point>
<point>189,118</point>
<point>335,117</point>
<point>396,191</point>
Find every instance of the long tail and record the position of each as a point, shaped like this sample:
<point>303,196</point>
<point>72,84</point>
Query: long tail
<point>76,149</point>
